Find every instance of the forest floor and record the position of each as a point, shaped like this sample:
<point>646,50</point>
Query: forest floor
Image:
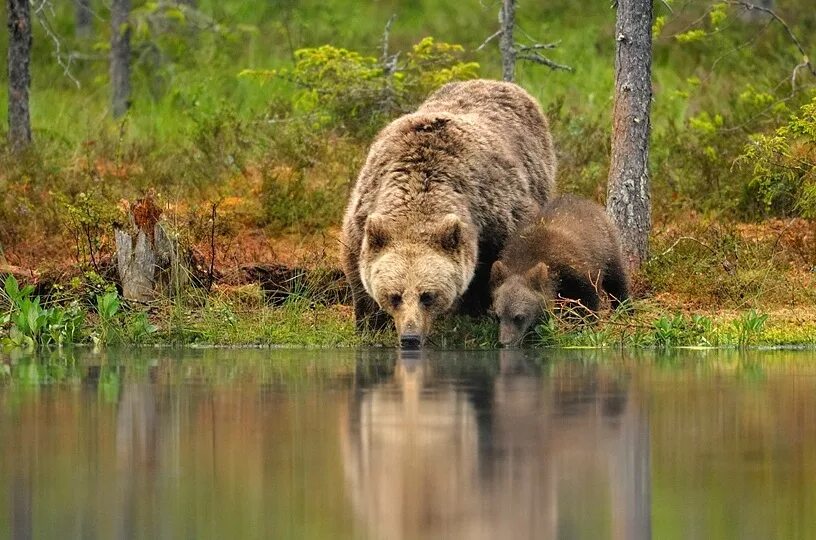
<point>706,284</point>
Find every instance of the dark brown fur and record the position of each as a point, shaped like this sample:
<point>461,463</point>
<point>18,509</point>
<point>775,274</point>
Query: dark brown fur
<point>571,251</point>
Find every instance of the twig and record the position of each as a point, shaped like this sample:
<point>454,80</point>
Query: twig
<point>539,59</point>
<point>668,6</point>
<point>805,58</point>
<point>488,40</point>
<point>39,13</point>
<point>536,46</point>
<point>385,59</point>
<point>211,270</point>
<point>711,249</point>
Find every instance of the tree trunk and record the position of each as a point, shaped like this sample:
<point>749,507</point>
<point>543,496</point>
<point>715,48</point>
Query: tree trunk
<point>82,24</point>
<point>19,75</point>
<point>120,57</point>
<point>506,44</point>
<point>628,196</point>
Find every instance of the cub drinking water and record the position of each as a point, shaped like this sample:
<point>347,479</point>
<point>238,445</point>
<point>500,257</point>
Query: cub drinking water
<point>571,250</point>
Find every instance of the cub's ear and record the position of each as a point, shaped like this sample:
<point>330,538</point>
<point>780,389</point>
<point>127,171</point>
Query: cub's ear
<point>448,232</point>
<point>376,232</point>
<point>538,276</point>
<point>498,273</point>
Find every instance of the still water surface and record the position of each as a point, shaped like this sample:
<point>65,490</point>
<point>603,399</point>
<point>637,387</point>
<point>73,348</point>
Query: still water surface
<point>371,444</point>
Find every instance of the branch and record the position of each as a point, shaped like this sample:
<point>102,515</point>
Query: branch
<point>42,18</point>
<point>488,40</point>
<point>536,46</point>
<point>805,59</point>
<point>538,59</point>
<point>386,60</point>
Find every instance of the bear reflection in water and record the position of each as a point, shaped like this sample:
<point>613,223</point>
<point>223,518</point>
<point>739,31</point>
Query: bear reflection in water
<point>489,447</point>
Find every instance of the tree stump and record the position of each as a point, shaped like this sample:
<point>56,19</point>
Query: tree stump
<point>147,255</point>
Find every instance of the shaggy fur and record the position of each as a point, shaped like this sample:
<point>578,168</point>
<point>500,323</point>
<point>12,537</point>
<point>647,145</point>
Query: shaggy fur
<point>440,192</point>
<point>572,251</point>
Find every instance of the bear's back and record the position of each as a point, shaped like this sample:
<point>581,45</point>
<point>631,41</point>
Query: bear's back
<point>510,114</point>
<point>569,231</point>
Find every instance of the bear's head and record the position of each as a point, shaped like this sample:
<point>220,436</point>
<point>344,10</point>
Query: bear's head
<point>519,299</point>
<point>416,273</point>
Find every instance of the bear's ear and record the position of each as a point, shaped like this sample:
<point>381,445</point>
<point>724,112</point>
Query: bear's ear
<point>538,276</point>
<point>448,233</point>
<point>498,273</point>
<point>376,232</point>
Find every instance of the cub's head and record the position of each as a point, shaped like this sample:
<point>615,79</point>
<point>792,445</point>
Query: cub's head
<point>416,275</point>
<point>518,299</point>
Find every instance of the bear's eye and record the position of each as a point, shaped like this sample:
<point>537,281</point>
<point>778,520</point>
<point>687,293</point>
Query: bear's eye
<point>395,300</point>
<point>427,299</point>
<point>518,320</point>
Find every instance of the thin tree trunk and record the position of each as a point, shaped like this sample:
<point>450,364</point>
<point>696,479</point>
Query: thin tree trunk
<point>628,195</point>
<point>506,44</point>
<point>19,74</point>
<point>82,19</point>
<point>120,57</point>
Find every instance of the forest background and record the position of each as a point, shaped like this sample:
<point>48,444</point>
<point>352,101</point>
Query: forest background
<point>247,122</point>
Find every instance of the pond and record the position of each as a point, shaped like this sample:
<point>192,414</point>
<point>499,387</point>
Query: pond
<point>162,443</point>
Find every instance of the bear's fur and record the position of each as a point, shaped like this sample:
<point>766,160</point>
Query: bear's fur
<point>571,250</point>
<point>440,192</point>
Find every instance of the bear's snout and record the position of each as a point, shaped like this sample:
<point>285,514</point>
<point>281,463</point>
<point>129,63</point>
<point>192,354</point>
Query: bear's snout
<point>509,336</point>
<point>410,341</point>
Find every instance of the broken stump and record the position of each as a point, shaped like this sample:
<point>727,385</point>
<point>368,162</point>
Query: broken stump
<point>147,256</point>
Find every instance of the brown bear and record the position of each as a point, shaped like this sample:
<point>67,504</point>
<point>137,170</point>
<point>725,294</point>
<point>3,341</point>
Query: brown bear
<point>440,192</point>
<point>571,250</point>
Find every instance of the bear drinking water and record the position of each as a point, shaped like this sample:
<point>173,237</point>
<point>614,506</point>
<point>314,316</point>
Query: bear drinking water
<point>441,191</point>
<point>571,250</point>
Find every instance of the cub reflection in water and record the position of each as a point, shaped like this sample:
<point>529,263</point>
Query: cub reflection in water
<point>485,445</point>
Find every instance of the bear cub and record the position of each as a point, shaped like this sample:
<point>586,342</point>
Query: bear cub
<point>571,250</point>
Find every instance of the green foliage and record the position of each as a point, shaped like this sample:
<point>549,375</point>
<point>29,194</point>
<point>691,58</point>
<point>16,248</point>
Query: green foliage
<point>344,89</point>
<point>32,325</point>
<point>657,26</point>
<point>691,36</point>
<point>116,326</point>
<point>749,326</point>
<point>677,330</point>
<point>90,218</point>
<point>783,167</point>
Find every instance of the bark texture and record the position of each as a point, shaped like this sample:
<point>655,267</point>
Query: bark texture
<point>120,57</point>
<point>82,18</point>
<point>506,44</point>
<point>628,196</point>
<point>19,74</point>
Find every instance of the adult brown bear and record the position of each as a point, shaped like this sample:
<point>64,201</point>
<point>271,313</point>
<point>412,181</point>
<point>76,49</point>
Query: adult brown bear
<point>441,191</point>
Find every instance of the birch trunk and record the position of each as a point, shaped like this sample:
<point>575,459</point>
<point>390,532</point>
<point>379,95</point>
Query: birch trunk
<point>628,196</point>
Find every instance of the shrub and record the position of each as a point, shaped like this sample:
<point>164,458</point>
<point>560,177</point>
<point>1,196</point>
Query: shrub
<point>357,93</point>
<point>783,166</point>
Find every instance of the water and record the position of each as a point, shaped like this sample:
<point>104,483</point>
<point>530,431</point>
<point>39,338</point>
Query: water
<point>307,444</point>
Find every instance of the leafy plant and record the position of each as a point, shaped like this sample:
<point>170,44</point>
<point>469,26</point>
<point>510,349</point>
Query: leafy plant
<point>783,166</point>
<point>33,325</point>
<point>340,86</point>
<point>749,326</point>
<point>117,326</point>
<point>678,330</point>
